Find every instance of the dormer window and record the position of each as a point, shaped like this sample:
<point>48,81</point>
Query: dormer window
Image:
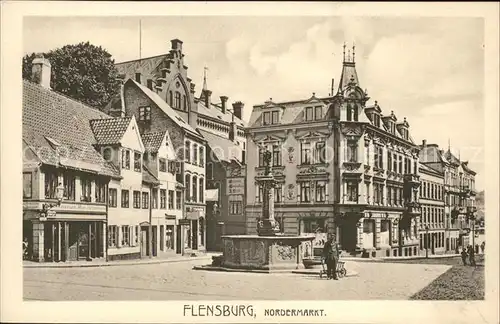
<point>376,120</point>
<point>352,113</point>
<point>145,113</point>
<point>314,113</point>
<point>271,117</point>
<point>309,113</point>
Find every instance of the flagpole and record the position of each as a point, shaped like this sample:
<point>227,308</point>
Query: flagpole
<point>140,39</point>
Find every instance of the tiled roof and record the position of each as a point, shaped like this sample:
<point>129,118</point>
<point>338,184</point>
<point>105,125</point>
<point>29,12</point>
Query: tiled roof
<point>152,141</point>
<point>52,117</point>
<point>146,66</point>
<point>465,166</point>
<point>425,168</point>
<point>348,73</point>
<point>216,112</point>
<point>223,148</point>
<point>166,108</point>
<point>451,158</point>
<point>110,131</point>
<point>148,176</point>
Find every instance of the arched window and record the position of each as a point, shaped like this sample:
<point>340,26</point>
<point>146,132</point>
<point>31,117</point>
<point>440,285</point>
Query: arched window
<point>188,188</point>
<point>170,98</point>
<point>201,190</point>
<point>177,100</point>
<point>349,113</point>
<point>194,193</point>
<point>185,107</point>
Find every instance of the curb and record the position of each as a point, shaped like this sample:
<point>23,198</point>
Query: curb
<point>316,273</point>
<point>112,263</point>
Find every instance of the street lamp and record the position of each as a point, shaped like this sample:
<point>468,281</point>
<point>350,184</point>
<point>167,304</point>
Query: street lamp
<point>59,197</point>
<point>426,241</point>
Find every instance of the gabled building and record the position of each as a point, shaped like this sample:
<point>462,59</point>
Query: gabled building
<point>166,75</point>
<point>343,167</point>
<point>60,157</point>
<point>459,194</point>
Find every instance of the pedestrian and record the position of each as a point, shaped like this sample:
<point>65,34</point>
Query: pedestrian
<point>464,256</point>
<point>472,258</point>
<point>482,247</point>
<point>25,248</point>
<point>331,256</point>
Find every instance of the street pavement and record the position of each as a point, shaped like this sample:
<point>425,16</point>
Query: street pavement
<point>178,281</point>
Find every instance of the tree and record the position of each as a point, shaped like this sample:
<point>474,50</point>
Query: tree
<point>84,72</point>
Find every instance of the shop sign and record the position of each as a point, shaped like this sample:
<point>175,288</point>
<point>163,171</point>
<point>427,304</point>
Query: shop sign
<point>235,186</point>
<point>184,222</point>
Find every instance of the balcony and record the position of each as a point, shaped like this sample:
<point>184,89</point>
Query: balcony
<point>351,167</point>
<point>413,179</point>
<point>473,192</point>
<point>413,208</point>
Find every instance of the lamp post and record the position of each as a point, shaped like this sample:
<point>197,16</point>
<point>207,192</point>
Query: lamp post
<point>426,241</point>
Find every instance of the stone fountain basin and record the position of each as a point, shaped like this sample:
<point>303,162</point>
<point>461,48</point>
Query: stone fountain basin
<point>265,253</point>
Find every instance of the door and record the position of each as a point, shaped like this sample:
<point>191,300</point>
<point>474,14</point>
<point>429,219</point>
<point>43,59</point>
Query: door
<point>154,231</point>
<point>83,245</point>
<point>144,241</point>
<point>162,237</point>
<point>178,239</point>
<point>194,234</point>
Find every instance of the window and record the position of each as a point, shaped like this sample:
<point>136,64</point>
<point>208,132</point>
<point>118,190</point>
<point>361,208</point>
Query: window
<point>178,100</point>
<point>276,155</point>
<point>400,196</point>
<point>376,120</point>
<point>125,235</point>
<point>278,194</point>
<point>170,199</point>
<point>184,100</point>
<point>188,188</point>
<point>171,98</point>
<point>352,191</point>
<point>69,185</point>
<point>125,159</point>
<point>137,161</point>
<point>187,151</point>
<point>154,198</point>
<point>112,235</point>
<point>305,191</point>
<point>51,183</point>
<point>86,189</point>
<point>125,198</point>
<point>200,189</point>
<point>145,200</point>
<point>352,113</point>
<point>195,153</point>
<point>137,199</point>
<point>266,118</point>
<point>309,113</point>
<point>379,157</point>
<point>352,148</point>
<point>400,160</point>
<point>275,117</point>
<point>27,185</point>
<point>258,197</point>
<point>113,197</point>
<point>163,165</point>
<point>367,153</point>
<point>202,156</point>
<point>144,113</point>
<point>320,152</point>
<point>305,150</point>
<point>318,112</point>
<point>320,191</point>
<point>210,170</point>
<point>194,193</point>
<point>178,197</point>
<point>235,207</point>
<point>389,161</point>
<point>100,191</point>
<point>163,198</point>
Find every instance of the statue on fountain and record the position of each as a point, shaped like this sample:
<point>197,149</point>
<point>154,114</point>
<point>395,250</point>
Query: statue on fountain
<point>267,225</point>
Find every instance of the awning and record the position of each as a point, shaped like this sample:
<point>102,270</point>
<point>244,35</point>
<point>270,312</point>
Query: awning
<point>212,194</point>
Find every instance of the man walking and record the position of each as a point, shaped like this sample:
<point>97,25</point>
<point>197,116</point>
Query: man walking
<point>464,256</point>
<point>331,256</point>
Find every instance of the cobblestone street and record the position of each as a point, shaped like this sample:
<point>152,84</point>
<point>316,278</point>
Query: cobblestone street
<point>177,281</point>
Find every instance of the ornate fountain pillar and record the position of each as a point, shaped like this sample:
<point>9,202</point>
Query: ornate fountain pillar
<point>267,226</point>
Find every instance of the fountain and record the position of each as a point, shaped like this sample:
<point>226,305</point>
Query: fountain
<point>269,251</point>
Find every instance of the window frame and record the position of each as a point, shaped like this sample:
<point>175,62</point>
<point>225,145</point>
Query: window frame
<point>30,187</point>
<point>145,200</point>
<point>125,202</point>
<point>112,202</point>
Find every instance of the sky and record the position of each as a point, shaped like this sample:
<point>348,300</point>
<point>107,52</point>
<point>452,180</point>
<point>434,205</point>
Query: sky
<point>429,70</point>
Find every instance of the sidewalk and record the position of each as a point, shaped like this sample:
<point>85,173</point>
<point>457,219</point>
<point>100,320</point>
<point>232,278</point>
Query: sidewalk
<point>415,257</point>
<point>101,262</point>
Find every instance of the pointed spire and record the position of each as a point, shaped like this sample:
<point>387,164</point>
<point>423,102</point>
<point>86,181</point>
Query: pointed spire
<point>353,52</point>
<point>343,57</point>
<point>449,145</point>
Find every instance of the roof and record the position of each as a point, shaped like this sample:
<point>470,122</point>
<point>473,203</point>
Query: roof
<point>152,141</point>
<point>451,158</point>
<point>215,112</point>
<point>146,66</point>
<point>166,108</point>
<point>427,169</point>
<point>110,131</point>
<point>465,166</point>
<point>52,121</point>
<point>148,176</point>
<point>431,154</point>
<point>348,74</point>
<point>223,148</point>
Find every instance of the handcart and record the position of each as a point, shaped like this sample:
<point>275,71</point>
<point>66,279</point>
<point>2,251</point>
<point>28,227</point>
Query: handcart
<point>341,270</point>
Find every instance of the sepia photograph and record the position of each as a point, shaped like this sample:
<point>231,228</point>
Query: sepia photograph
<point>254,158</point>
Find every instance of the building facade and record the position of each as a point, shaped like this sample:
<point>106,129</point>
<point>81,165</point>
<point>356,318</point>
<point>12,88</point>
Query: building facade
<point>459,194</point>
<point>343,167</point>
<point>432,227</point>
<point>166,75</point>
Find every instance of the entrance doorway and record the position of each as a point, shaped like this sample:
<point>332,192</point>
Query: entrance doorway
<point>194,234</point>
<point>348,235</point>
<point>144,241</point>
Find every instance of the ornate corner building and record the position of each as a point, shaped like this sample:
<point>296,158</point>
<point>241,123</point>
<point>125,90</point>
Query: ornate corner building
<point>342,167</point>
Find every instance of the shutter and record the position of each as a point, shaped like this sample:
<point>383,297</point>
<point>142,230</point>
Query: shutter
<point>118,236</point>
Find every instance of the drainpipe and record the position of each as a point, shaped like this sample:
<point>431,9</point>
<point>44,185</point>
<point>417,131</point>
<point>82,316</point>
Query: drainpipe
<point>106,224</point>
<point>150,220</point>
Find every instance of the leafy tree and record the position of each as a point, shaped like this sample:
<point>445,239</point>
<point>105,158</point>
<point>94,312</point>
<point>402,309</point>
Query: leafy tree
<point>84,72</point>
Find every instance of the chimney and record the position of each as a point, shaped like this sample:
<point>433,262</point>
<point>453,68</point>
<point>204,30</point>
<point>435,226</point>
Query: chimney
<point>150,84</point>
<point>233,131</point>
<point>238,109</point>
<point>41,70</point>
<point>223,100</point>
<point>207,98</point>
<point>138,78</point>
<point>424,143</point>
<point>331,90</point>
<point>176,44</point>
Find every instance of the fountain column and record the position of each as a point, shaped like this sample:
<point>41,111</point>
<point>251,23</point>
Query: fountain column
<point>267,226</point>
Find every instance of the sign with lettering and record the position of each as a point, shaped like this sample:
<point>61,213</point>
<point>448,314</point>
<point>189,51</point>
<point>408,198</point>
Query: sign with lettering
<point>184,221</point>
<point>51,213</point>
<point>235,186</point>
